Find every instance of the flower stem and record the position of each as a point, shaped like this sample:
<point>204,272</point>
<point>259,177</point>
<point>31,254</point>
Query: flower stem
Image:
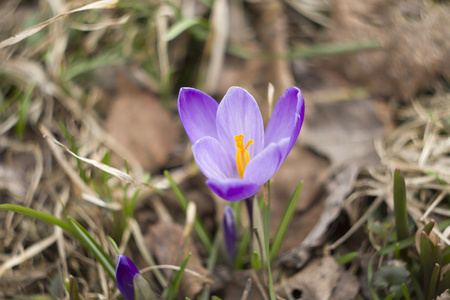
<point>249,204</point>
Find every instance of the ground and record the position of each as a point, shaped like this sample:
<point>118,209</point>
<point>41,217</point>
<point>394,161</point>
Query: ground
<point>90,134</point>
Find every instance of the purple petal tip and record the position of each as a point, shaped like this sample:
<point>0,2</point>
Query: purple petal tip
<point>125,272</point>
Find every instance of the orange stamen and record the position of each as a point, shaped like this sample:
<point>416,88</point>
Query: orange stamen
<point>242,155</point>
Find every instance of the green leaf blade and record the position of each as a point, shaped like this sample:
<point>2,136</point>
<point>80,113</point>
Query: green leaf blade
<point>400,213</point>
<point>285,221</point>
<point>94,247</point>
<point>198,225</point>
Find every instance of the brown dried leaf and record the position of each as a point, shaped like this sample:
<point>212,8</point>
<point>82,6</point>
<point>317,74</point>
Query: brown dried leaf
<point>21,170</point>
<point>344,131</point>
<point>166,241</point>
<point>347,287</point>
<point>337,189</point>
<point>141,124</point>
<point>315,282</point>
<point>416,49</point>
<point>444,296</point>
<point>11,182</point>
<point>300,165</point>
<point>239,285</point>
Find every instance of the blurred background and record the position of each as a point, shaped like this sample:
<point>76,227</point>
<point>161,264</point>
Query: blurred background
<point>100,80</point>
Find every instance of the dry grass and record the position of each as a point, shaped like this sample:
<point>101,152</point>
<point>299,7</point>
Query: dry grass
<point>419,146</point>
<point>40,170</point>
<point>45,176</point>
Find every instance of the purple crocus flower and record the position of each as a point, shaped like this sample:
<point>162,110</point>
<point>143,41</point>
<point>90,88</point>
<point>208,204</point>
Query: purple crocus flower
<point>229,231</point>
<point>126,270</point>
<point>229,143</point>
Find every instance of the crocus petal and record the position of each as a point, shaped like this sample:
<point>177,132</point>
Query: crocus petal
<point>261,168</point>
<point>229,231</point>
<point>212,159</point>
<point>197,113</point>
<point>287,119</point>
<point>125,272</point>
<point>232,189</point>
<point>238,113</point>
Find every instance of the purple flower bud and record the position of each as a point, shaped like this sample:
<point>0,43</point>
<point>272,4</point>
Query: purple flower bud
<point>229,231</point>
<point>126,270</point>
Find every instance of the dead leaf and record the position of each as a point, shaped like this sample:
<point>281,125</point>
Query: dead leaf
<point>337,189</point>
<point>236,287</point>
<point>300,165</point>
<point>21,169</point>
<point>166,241</point>
<point>444,296</point>
<point>416,51</point>
<point>141,124</point>
<point>315,282</point>
<point>344,131</point>
<point>347,286</point>
<point>11,183</point>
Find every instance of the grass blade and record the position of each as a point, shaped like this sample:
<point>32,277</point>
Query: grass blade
<point>73,289</point>
<point>405,292</point>
<point>433,281</point>
<point>401,216</point>
<point>426,260</point>
<point>86,65</point>
<point>346,258</point>
<point>256,261</point>
<point>285,221</point>
<point>198,225</point>
<point>444,284</point>
<point>445,256</point>
<point>212,259</point>
<point>266,223</point>
<point>257,237</point>
<point>73,227</point>
<point>86,239</point>
<point>429,226</point>
<point>171,292</point>
<point>23,111</point>
<point>183,25</point>
<point>74,148</point>
<point>242,249</point>
<point>306,52</point>
<point>38,215</point>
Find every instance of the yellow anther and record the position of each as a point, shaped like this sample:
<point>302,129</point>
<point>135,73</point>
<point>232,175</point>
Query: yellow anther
<point>242,155</point>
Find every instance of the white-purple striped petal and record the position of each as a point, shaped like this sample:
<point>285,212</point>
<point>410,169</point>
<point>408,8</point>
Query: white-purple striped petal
<point>212,159</point>
<point>197,112</point>
<point>287,119</point>
<point>261,168</point>
<point>238,113</point>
